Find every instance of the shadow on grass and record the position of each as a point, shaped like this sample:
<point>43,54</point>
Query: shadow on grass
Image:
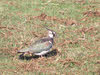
<point>50,54</point>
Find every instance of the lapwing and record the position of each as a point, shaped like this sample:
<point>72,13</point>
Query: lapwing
<point>41,46</point>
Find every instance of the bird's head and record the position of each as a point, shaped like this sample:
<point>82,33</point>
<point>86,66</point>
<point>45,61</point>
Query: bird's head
<point>51,33</point>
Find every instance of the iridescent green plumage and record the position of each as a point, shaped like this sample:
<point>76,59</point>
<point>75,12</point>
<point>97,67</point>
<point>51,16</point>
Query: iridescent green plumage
<point>37,47</point>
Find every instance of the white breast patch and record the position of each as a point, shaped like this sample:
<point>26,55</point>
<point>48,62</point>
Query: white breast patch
<point>42,53</point>
<point>50,42</point>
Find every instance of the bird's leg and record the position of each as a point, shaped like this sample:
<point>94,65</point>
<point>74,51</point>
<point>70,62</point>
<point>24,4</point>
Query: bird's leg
<point>41,56</point>
<point>32,54</point>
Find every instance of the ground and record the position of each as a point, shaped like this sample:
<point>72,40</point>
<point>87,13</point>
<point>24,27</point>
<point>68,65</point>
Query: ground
<point>76,50</point>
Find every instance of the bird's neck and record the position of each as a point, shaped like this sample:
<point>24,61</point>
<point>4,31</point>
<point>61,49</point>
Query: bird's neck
<point>51,40</point>
<point>50,35</point>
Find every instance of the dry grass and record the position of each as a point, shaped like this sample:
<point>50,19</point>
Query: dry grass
<point>77,47</point>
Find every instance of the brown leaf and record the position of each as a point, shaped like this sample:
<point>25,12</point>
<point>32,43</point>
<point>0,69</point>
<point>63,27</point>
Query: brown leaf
<point>43,16</point>
<point>71,22</point>
<point>92,13</point>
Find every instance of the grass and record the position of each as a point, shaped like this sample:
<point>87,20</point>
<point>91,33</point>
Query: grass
<point>77,45</point>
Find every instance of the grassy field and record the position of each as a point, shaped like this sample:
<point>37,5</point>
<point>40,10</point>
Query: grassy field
<point>77,45</point>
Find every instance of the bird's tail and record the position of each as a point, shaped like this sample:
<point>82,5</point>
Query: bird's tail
<point>23,50</point>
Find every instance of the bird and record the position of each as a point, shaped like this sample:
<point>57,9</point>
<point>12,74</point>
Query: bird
<point>41,46</point>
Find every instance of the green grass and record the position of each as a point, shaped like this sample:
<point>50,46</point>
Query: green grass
<point>77,45</point>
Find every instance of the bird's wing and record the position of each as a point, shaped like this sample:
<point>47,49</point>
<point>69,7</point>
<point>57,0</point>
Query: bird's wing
<point>40,46</point>
<point>41,40</point>
<point>23,50</point>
